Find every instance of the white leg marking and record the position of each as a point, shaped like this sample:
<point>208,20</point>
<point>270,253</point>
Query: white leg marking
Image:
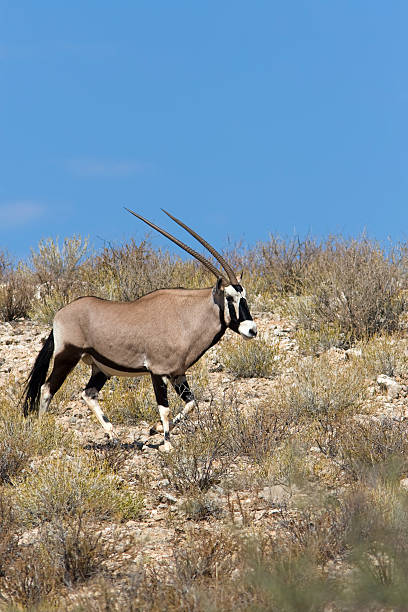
<point>187,408</point>
<point>164,416</point>
<point>93,404</point>
<point>45,399</point>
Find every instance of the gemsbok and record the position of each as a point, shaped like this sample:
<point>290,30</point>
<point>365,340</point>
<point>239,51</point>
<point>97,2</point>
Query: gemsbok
<point>162,334</point>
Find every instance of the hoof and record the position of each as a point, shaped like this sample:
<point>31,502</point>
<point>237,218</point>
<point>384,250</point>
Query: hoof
<point>158,428</point>
<point>113,439</point>
<point>166,447</point>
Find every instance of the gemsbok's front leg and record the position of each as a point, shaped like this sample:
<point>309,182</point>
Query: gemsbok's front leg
<point>160,391</point>
<point>183,390</point>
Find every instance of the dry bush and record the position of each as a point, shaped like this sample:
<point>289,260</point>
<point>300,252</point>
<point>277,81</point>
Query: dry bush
<point>16,293</point>
<point>257,432</point>
<point>75,549</point>
<point>130,271</point>
<point>57,271</point>
<point>385,354</point>
<point>378,544</point>
<point>289,582</point>
<point>254,359</point>
<point>30,582</point>
<point>57,267</point>
<point>373,448</point>
<point>61,554</point>
<point>21,439</point>
<point>113,456</point>
<point>283,265</point>
<point>5,264</point>
<point>198,577</point>
<point>321,391</point>
<point>200,507</point>
<point>201,453</point>
<point>354,286</point>
<point>128,400</point>
<point>63,487</point>
<point>315,342</point>
<point>9,534</point>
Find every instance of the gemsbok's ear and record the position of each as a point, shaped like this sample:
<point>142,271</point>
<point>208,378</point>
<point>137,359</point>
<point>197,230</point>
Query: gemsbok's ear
<point>219,285</point>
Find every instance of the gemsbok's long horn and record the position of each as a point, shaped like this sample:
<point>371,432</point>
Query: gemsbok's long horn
<point>230,272</point>
<point>217,273</point>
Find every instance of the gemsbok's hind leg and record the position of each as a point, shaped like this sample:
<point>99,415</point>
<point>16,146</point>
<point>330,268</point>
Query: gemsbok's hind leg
<point>90,397</point>
<point>183,390</point>
<point>64,363</point>
<point>160,391</point>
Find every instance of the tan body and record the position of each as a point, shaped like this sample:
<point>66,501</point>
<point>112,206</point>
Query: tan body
<point>164,332</point>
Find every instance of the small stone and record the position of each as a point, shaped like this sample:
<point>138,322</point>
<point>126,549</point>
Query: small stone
<point>353,352</point>
<point>169,497</point>
<point>393,388</point>
<point>275,493</point>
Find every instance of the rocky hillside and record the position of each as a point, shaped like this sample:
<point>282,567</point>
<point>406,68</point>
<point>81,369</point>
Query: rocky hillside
<point>249,472</point>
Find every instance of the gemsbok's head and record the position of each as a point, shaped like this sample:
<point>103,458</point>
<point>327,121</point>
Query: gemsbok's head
<point>229,294</point>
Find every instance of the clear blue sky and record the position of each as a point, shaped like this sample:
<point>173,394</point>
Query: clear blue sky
<point>242,118</point>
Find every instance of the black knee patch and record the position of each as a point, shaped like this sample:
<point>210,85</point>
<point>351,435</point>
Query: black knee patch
<point>92,393</point>
<point>183,390</point>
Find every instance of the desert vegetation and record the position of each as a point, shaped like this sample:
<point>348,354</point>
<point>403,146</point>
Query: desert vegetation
<point>286,490</point>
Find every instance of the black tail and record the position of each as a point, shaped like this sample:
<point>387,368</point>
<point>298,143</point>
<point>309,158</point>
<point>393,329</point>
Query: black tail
<point>38,374</point>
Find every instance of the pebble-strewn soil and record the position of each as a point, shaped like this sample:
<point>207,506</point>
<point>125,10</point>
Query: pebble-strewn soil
<point>20,342</point>
<point>162,523</point>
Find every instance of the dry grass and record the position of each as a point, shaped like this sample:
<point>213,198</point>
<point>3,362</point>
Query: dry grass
<point>21,439</point>
<point>257,359</point>
<point>63,487</point>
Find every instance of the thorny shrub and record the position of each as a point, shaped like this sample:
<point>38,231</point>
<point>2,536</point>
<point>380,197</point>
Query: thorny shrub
<point>201,453</point>
<point>198,577</point>
<point>372,448</point>
<point>61,554</point>
<point>321,391</point>
<point>256,432</point>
